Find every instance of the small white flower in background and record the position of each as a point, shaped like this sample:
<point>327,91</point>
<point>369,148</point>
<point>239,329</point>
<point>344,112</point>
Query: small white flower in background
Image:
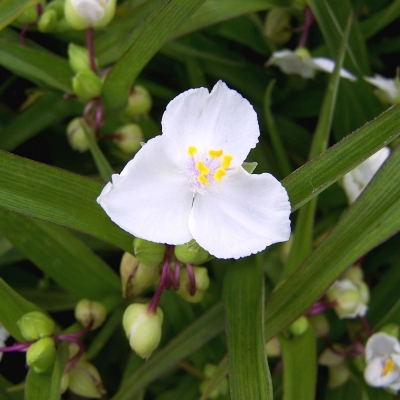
<point>350,298</point>
<point>4,335</point>
<point>83,14</point>
<point>382,355</point>
<point>356,180</point>
<point>388,90</point>
<point>301,63</point>
<point>189,183</point>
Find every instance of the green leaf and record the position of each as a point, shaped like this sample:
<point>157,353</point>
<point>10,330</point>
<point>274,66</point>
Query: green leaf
<point>10,9</point>
<point>35,64</point>
<point>47,386</point>
<point>373,218</point>
<point>61,256</point>
<point>56,196</point>
<point>315,176</point>
<point>243,293</point>
<point>144,43</point>
<point>299,356</point>
<point>49,110</point>
<point>210,324</point>
<point>216,379</point>
<point>5,394</point>
<point>13,307</point>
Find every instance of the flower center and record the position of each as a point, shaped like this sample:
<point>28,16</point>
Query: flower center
<point>388,366</point>
<point>205,169</point>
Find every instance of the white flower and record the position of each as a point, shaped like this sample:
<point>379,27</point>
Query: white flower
<point>356,180</point>
<point>350,299</point>
<point>83,14</point>
<point>388,89</point>
<point>4,335</point>
<point>189,183</point>
<point>300,62</point>
<point>382,354</point>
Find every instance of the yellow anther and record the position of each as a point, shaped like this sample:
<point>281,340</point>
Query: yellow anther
<point>192,150</point>
<point>388,367</point>
<point>202,168</point>
<point>226,161</point>
<point>202,179</point>
<point>215,153</point>
<point>219,173</point>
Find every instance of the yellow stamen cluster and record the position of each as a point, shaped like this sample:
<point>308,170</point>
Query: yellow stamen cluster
<point>204,170</point>
<point>388,367</point>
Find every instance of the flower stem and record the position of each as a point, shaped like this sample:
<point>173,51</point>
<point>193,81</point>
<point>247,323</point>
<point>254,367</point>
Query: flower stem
<point>90,47</point>
<point>309,19</point>
<point>192,279</point>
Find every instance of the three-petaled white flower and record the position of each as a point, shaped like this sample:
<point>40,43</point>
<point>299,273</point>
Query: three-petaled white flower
<point>300,62</point>
<point>189,182</point>
<point>83,14</point>
<point>4,335</point>
<point>382,354</point>
<point>388,90</point>
<point>356,180</point>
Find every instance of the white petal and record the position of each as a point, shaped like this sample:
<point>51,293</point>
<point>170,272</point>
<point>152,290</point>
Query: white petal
<point>246,214</point>
<point>374,377</point>
<point>327,65</point>
<point>90,10</point>
<point>222,119</point>
<point>381,345</point>
<point>386,85</point>
<point>151,198</point>
<point>290,62</point>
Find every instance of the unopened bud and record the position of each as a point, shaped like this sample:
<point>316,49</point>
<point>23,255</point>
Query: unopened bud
<point>302,52</point>
<point>136,276</point>
<point>29,15</point>
<point>76,134</point>
<point>277,26</point>
<point>273,347</point>
<point>331,357</point>
<point>36,325</point>
<point>85,380</point>
<point>191,253</point>
<point>202,283</point>
<point>320,324</point>
<point>128,138</point>
<point>142,328</point>
<point>299,326</point>
<point>78,58</point>
<point>390,329</point>
<point>47,21</point>
<point>149,253</point>
<point>86,85</point>
<point>353,273</point>
<point>90,312</point>
<point>64,382</point>
<point>41,355</point>
<point>139,101</point>
<point>338,375</point>
<point>83,14</point>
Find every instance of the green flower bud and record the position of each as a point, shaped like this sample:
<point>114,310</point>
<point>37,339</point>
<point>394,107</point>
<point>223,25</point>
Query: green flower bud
<point>85,380</point>
<point>353,273</point>
<point>86,85</point>
<point>48,21</point>
<point>128,138</point>
<point>299,326</point>
<point>87,311</point>
<point>41,355</point>
<point>83,14</point>
<point>78,58</point>
<point>391,329</point>
<point>330,358</point>
<point>139,101</point>
<point>273,347</point>
<point>338,375</point>
<point>202,284</point>
<point>302,52</point>
<point>29,15</point>
<point>76,134</point>
<point>136,276</point>
<point>191,253</point>
<point>36,325</point>
<point>320,324</point>
<point>142,328</point>
<point>64,382</point>
<point>149,253</point>
<point>277,26</point>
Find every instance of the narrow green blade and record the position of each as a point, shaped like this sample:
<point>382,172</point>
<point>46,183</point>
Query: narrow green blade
<point>9,10</point>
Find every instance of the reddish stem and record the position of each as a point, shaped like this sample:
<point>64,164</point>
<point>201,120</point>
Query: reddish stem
<point>90,47</point>
<point>309,19</point>
<point>192,279</point>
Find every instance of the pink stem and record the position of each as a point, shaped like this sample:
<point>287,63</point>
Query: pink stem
<point>192,279</point>
<point>177,273</point>
<point>366,326</point>
<point>90,47</point>
<point>309,19</point>
<point>15,347</point>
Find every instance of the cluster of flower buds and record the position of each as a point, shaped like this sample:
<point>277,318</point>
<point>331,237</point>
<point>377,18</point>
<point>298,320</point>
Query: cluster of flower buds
<point>349,295</point>
<point>157,263</point>
<point>52,18</point>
